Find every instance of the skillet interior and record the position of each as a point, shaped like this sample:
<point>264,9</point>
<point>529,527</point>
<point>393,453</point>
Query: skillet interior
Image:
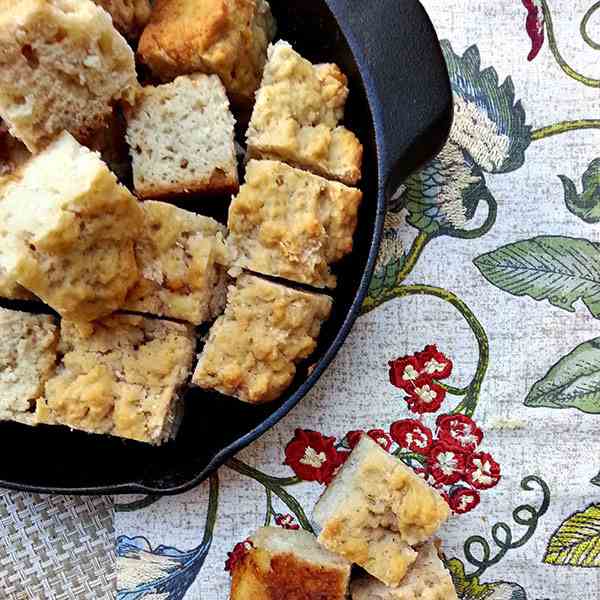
<point>54,459</point>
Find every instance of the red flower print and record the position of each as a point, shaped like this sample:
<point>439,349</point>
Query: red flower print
<point>381,437</point>
<point>237,554</point>
<point>446,463</point>
<point>463,499</point>
<point>459,429</point>
<point>483,472</point>
<point>412,435</point>
<point>312,456</point>
<point>434,363</point>
<point>426,396</point>
<point>286,521</point>
<point>404,372</point>
<point>535,26</point>
<point>353,437</point>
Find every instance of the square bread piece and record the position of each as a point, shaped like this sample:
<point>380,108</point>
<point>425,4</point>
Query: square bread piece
<point>427,579</point>
<point>252,350</point>
<point>291,224</point>
<point>27,360</point>
<point>180,137</point>
<point>62,66</point>
<point>120,376</point>
<point>181,258</point>
<point>67,230</point>
<point>296,117</point>
<point>375,510</point>
<point>129,16</point>
<point>228,38</point>
<point>289,564</point>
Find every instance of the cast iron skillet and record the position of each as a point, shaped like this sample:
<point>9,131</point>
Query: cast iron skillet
<point>400,106</point>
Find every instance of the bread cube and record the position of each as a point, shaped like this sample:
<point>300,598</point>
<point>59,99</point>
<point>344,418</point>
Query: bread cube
<point>180,256</point>
<point>62,66</point>
<point>27,360</point>
<point>291,224</point>
<point>296,117</point>
<point>67,230</point>
<point>375,510</point>
<point>129,16</point>
<point>427,579</point>
<point>289,564</point>
<point>180,137</point>
<point>228,38</point>
<point>120,376</point>
<point>252,350</point>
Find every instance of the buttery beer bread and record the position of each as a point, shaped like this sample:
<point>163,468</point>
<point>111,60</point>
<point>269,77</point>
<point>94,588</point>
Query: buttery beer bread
<point>180,137</point>
<point>291,224</point>
<point>297,114</point>
<point>375,510</point>
<point>228,38</point>
<point>291,565</point>
<point>120,376</point>
<point>68,230</point>
<point>427,579</point>
<point>62,67</point>
<point>181,259</point>
<point>28,345</point>
<point>253,349</point>
<point>129,16</point>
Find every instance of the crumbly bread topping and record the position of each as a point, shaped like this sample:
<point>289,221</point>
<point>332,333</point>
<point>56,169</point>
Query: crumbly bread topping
<point>129,16</point>
<point>291,224</point>
<point>27,360</point>
<point>119,375</point>
<point>62,66</point>
<point>181,139</point>
<point>253,349</point>
<point>291,565</point>
<point>68,229</point>
<point>375,509</point>
<point>427,579</point>
<point>296,116</point>
<point>228,38</point>
<point>181,259</point>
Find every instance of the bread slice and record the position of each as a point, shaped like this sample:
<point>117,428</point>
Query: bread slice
<point>289,564</point>
<point>252,350</point>
<point>228,38</point>
<point>375,510</point>
<point>181,139</point>
<point>120,376</point>
<point>291,224</point>
<point>27,360</point>
<point>181,258</point>
<point>62,66</point>
<point>427,579</point>
<point>296,117</point>
<point>68,230</point>
<point>13,153</point>
<point>129,16</point>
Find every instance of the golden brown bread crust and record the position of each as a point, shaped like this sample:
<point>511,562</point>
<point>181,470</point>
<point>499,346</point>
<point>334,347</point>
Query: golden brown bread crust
<point>261,576</point>
<point>129,16</point>
<point>219,183</point>
<point>225,37</point>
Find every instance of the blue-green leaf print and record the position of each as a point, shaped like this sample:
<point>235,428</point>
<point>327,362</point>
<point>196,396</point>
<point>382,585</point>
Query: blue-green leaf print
<point>573,382</point>
<point>488,123</point>
<point>586,205</point>
<point>559,269</point>
<point>576,542</point>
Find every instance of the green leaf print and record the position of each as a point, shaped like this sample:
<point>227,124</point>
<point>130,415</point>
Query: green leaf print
<point>577,541</point>
<point>470,588</point>
<point>559,269</point>
<point>586,205</point>
<point>573,382</point>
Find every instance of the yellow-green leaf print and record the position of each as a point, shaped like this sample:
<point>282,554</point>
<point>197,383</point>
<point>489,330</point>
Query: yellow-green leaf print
<point>577,541</point>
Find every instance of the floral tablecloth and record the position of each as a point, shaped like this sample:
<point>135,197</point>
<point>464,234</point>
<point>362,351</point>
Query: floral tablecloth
<point>477,360</point>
